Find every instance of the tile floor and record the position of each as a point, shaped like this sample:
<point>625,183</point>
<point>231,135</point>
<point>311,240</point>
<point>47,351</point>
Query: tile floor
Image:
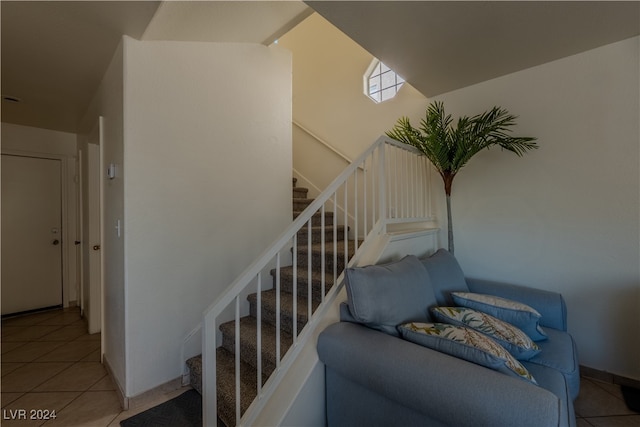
<point>49,362</point>
<point>601,404</point>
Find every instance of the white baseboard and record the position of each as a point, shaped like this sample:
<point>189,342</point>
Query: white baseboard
<point>124,401</point>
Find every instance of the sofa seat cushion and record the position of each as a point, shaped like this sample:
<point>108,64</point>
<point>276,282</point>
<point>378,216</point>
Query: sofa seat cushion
<point>384,296</point>
<point>445,274</point>
<point>553,381</point>
<point>559,353</point>
<point>445,389</point>
<point>516,342</point>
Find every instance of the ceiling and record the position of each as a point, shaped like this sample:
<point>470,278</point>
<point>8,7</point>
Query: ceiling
<point>54,53</point>
<point>439,46</point>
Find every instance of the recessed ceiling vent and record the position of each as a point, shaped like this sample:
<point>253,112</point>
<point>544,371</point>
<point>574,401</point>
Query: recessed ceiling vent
<point>11,99</point>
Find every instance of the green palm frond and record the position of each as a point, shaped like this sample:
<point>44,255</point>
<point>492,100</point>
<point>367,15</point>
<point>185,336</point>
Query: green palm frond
<point>449,148</point>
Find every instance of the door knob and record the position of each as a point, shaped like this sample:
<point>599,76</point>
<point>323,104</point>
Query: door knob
<point>56,242</point>
<point>96,247</point>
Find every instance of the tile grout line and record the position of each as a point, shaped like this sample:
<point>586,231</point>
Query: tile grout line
<point>80,360</point>
<point>607,390</point>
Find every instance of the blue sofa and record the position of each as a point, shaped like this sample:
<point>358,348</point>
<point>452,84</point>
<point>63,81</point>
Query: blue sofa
<point>375,377</point>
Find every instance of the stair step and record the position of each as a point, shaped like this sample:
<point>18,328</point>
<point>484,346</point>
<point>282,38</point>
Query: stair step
<point>316,220</point>
<point>195,372</point>
<point>301,204</point>
<point>226,386</point>
<point>226,383</point>
<point>316,255</point>
<point>248,342</point>
<point>300,192</point>
<point>286,281</point>
<point>268,309</point>
<point>316,234</point>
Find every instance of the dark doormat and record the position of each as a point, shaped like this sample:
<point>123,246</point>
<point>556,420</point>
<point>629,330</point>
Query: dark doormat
<point>181,411</point>
<point>631,397</point>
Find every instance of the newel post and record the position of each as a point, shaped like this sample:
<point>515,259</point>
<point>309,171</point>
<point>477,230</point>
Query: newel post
<point>209,398</point>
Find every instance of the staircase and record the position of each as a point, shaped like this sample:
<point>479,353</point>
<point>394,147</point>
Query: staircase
<point>263,309</point>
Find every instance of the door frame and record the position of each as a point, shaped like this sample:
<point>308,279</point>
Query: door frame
<point>95,227</point>
<point>68,229</point>
<point>91,183</point>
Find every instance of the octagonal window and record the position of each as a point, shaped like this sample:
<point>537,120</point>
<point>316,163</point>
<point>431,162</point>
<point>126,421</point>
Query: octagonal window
<point>381,82</point>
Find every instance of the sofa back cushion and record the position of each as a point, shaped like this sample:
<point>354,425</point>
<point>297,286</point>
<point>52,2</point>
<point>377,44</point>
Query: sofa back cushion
<point>385,296</point>
<point>446,276</point>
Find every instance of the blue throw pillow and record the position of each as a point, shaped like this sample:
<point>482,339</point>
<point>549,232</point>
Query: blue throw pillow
<point>466,344</point>
<point>518,314</point>
<point>384,296</point>
<point>516,342</point>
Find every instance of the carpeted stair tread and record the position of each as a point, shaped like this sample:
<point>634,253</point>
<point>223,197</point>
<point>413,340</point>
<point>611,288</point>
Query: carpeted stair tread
<point>248,342</point>
<point>227,386</point>
<point>301,204</point>
<point>268,309</point>
<point>195,372</point>
<point>225,368</point>
<point>300,192</point>
<point>302,278</point>
<point>317,247</point>
<point>316,255</point>
<point>316,219</point>
<point>316,234</point>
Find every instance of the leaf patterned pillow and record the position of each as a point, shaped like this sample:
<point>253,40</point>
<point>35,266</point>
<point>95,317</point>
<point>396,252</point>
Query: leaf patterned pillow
<point>519,315</point>
<point>466,344</point>
<point>516,342</point>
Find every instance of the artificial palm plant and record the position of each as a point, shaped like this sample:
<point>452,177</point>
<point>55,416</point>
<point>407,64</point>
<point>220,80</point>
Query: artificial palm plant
<point>449,148</point>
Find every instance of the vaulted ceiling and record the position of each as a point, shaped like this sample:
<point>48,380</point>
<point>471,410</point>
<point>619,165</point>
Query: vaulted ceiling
<point>439,46</point>
<point>54,53</point>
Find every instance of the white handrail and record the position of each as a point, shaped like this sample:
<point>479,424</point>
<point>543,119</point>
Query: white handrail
<point>376,207</point>
<point>323,142</point>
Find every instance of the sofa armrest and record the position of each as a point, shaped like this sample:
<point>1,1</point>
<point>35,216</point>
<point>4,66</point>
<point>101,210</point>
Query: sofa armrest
<point>445,388</point>
<point>549,304</point>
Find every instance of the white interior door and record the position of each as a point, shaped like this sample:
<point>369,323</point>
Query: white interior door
<point>92,283</point>
<point>31,233</point>
<point>79,232</point>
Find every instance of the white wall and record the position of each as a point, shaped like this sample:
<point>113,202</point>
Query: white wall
<point>328,99</point>
<point>35,141</point>
<point>108,102</point>
<point>207,166</point>
<point>566,216</point>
